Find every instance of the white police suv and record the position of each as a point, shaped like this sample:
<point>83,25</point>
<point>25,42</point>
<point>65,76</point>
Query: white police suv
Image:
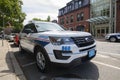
<point>51,43</point>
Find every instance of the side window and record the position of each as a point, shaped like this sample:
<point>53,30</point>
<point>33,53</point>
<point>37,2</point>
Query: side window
<point>118,35</point>
<point>30,28</point>
<point>25,27</point>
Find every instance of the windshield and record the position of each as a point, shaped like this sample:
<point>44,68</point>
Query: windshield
<point>41,27</point>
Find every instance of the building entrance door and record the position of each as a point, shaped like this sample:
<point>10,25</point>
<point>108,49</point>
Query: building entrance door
<point>101,32</point>
<point>80,28</point>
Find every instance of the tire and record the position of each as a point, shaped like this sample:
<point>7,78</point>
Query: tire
<point>21,50</point>
<point>43,62</point>
<point>18,44</point>
<point>113,39</point>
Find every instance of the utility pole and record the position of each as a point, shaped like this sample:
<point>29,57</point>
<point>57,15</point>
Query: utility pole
<point>111,16</point>
<point>112,22</point>
<point>3,30</point>
<point>3,27</point>
<point>115,15</point>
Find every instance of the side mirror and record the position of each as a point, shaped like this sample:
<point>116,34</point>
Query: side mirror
<point>27,31</point>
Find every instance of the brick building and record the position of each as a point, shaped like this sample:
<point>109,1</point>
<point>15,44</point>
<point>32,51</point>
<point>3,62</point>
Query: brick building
<point>74,15</point>
<point>118,17</point>
<point>95,16</point>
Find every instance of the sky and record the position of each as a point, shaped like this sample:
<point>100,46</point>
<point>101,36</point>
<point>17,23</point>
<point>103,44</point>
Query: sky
<point>42,8</point>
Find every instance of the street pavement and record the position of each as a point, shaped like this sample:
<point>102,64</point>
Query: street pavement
<point>109,48</point>
<point>105,66</point>
<point>9,68</point>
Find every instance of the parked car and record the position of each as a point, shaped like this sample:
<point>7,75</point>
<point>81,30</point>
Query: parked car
<point>113,37</point>
<point>50,43</point>
<point>16,39</point>
<point>11,37</point>
<point>1,36</point>
<point>6,36</point>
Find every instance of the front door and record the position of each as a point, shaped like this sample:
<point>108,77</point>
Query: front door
<point>101,32</point>
<point>80,28</point>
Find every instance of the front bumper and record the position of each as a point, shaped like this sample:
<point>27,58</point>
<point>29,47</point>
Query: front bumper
<point>75,62</point>
<point>57,55</point>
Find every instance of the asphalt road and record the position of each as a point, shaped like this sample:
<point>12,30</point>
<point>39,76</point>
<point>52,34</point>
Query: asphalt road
<point>105,66</point>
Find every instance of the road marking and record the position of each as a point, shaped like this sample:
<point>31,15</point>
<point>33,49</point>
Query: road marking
<point>29,64</point>
<point>107,56</point>
<point>111,66</point>
<point>104,56</point>
<point>117,54</point>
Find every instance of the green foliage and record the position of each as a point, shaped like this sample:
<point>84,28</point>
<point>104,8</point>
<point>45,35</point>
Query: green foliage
<point>11,12</point>
<point>48,18</point>
<point>1,29</point>
<point>39,19</point>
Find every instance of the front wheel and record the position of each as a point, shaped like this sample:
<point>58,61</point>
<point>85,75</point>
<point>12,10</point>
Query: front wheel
<point>42,61</point>
<point>113,39</point>
<point>21,50</point>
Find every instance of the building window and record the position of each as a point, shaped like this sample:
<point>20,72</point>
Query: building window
<point>67,20</point>
<point>82,16</point>
<point>62,21</point>
<point>80,28</point>
<point>78,17</point>
<point>76,5</point>
<point>80,3</point>
<point>65,9</point>
<point>69,7</point>
<point>71,18</point>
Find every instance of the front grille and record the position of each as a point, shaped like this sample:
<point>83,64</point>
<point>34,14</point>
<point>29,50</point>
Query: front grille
<point>83,41</point>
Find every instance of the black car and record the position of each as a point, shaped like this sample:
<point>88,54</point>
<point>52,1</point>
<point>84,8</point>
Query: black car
<point>113,37</point>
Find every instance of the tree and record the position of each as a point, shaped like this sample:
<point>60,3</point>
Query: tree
<point>39,19</point>
<point>48,18</point>
<point>10,11</point>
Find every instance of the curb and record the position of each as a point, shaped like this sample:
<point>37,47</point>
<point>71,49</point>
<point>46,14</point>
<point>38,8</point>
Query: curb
<point>17,70</point>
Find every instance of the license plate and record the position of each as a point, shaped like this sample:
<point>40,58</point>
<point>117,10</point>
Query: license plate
<point>91,53</point>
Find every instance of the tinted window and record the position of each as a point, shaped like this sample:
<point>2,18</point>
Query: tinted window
<point>30,27</point>
<point>25,27</point>
<point>118,35</point>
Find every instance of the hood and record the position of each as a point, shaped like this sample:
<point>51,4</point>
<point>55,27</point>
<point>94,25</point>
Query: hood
<point>65,33</point>
<point>114,34</point>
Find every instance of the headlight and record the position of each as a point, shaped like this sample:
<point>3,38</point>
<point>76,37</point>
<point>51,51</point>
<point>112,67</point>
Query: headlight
<point>61,40</point>
<point>107,36</point>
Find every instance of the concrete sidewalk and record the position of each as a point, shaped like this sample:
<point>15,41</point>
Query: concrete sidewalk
<point>9,68</point>
<point>100,39</point>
